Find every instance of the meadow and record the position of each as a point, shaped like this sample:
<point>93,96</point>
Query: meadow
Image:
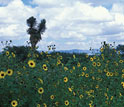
<point>33,79</point>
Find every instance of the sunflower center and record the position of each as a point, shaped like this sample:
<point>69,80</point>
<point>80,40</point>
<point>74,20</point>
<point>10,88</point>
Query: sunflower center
<point>31,63</point>
<point>13,103</point>
<point>2,74</point>
<point>8,71</point>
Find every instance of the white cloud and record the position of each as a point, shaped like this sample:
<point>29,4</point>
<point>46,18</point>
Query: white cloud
<point>69,25</point>
<point>13,19</point>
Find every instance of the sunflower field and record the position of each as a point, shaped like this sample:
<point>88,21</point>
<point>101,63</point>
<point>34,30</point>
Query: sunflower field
<point>34,79</point>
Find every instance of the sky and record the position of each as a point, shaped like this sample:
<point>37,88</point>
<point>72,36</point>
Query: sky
<point>71,24</point>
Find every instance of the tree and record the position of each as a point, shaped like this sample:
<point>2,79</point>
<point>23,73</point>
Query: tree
<point>35,32</point>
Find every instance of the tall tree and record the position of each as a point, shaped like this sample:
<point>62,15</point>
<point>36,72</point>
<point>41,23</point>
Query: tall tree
<point>35,31</point>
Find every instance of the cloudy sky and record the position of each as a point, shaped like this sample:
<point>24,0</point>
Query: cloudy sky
<point>71,24</point>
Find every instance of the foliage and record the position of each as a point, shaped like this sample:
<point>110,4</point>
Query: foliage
<point>60,79</point>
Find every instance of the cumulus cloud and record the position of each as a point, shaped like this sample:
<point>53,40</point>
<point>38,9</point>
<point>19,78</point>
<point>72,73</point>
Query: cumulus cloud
<point>76,24</point>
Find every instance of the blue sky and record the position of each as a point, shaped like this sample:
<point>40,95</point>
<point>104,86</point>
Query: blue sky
<point>71,24</point>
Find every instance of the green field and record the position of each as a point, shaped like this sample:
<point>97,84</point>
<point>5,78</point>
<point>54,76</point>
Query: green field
<point>32,79</point>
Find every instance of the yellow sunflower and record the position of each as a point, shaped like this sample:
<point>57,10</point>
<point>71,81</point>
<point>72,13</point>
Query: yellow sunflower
<point>84,68</point>
<point>111,74</point>
<point>65,79</point>
<point>121,61</point>
<point>108,74</point>
<point>31,63</point>
<point>94,57</point>
<point>66,102</point>
<point>94,64</point>
<point>38,105</point>
<point>83,73</point>
<point>56,103</point>
<point>97,86</point>
<point>73,67</point>
<point>123,70</point>
<point>58,62</point>
<point>65,68</point>
<point>98,64</point>
<point>52,97</point>
<point>41,90</point>
<point>81,96</point>
<point>87,55</point>
<point>119,52</point>
<point>9,72</point>
<point>78,65</point>
<point>44,105</point>
<point>91,59</point>
<point>45,67</point>
<point>13,54</point>
<point>2,75</point>
<point>86,75</point>
<point>7,53</point>
<point>122,76</point>
<point>74,56</point>
<point>101,49</point>
<point>71,71</point>
<point>14,103</point>
<point>70,89</point>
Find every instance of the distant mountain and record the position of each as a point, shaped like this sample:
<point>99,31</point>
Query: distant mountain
<point>76,51</point>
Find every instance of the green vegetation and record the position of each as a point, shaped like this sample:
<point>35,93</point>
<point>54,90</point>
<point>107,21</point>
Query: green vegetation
<point>32,79</point>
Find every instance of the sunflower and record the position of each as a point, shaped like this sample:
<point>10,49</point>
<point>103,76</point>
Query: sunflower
<point>56,103</point>
<point>45,67</point>
<point>71,71</point>
<point>2,75</point>
<point>70,89</point>
<point>86,75</point>
<point>52,97</point>
<point>14,103</point>
<point>101,49</point>
<point>111,74</point>
<point>87,55</point>
<point>93,77</point>
<point>108,74</point>
<point>65,68</point>
<point>122,76</point>
<point>44,105</point>
<point>97,86</point>
<point>119,52</point>
<point>74,56</point>
<point>31,63</point>
<point>9,72</point>
<point>91,59</point>
<point>58,62</point>
<point>41,90</point>
<point>83,73</point>
<point>81,96</point>
<point>84,68</point>
<point>123,70</point>
<point>7,53</point>
<point>105,70</point>
<point>78,64</point>
<point>73,67</point>
<point>61,57</point>
<point>38,105</point>
<point>13,54</point>
<point>66,102</point>
<point>121,61</point>
<point>94,64</point>
<point>98,64</point>
<point>65,79</point>
<point>94,57</point>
